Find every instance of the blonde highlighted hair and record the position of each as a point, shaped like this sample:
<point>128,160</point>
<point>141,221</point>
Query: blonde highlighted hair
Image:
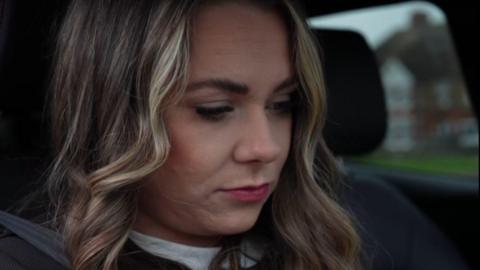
<point>118,65</point>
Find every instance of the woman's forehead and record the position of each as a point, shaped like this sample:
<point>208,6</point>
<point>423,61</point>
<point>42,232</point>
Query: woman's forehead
<point>239,41</point>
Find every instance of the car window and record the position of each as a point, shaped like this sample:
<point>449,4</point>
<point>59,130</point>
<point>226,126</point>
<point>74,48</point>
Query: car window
<point>431,127</point>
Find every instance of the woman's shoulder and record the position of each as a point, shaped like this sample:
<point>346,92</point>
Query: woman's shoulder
<point>27,245</point>
<point>16,253</point>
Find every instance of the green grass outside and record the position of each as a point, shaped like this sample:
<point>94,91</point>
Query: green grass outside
<point>464,165</point>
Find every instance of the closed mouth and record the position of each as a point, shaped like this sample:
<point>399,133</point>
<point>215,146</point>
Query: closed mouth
<point>249,193</point>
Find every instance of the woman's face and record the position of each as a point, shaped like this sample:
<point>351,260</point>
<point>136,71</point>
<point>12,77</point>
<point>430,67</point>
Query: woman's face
<point>230,134</point>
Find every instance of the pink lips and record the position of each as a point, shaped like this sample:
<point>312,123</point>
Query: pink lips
<point>249,193</point>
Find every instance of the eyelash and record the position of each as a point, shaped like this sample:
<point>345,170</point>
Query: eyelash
<point>213,113</point>
<point>282,107</point>
<point>217,113</point>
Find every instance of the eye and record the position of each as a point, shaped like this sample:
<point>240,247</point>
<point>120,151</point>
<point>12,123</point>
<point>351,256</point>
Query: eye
<point>213,113</point>
<point>282,105</point>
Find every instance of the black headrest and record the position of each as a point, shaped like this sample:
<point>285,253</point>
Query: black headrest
<point>356,118</point>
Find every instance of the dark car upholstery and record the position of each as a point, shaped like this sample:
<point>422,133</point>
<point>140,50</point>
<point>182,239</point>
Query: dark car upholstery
<point>356,113</point>
<point>395,233</point>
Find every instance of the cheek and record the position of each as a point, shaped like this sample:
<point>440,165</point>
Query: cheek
<point>194,159</point>
<point>194,153</point>
<point>283,135</point>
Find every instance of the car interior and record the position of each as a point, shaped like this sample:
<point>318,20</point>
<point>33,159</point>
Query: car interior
<point>406,220</point>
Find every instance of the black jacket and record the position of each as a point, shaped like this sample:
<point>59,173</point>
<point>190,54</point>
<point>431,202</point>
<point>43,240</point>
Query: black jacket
<point>18,254</point>
<point>27,246</point>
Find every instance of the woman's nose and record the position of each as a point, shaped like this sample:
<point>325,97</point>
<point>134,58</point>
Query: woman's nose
<point>257,140</point>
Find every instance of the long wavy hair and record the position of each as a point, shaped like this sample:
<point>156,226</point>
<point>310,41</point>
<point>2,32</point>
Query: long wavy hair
<point>118,65</point>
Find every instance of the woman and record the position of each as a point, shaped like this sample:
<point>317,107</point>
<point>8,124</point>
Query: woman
<point>185,134</point>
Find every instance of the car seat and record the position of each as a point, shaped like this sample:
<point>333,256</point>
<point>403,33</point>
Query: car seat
<point>396,234</point>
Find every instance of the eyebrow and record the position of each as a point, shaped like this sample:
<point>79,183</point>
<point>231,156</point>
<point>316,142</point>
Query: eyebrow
<point>236,87</point>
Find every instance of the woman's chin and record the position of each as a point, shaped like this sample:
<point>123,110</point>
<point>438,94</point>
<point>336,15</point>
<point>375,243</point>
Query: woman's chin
<point>237,223</point>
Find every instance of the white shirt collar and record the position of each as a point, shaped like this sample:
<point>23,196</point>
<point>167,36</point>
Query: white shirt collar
<point>196,258</point>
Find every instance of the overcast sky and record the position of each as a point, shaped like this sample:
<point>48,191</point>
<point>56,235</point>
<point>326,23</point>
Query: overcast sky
<point>378,23</point>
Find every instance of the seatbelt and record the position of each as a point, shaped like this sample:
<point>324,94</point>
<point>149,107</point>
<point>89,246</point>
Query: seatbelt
<point>42,238</point>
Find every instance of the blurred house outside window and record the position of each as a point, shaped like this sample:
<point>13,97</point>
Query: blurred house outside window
<point>431,127</point>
